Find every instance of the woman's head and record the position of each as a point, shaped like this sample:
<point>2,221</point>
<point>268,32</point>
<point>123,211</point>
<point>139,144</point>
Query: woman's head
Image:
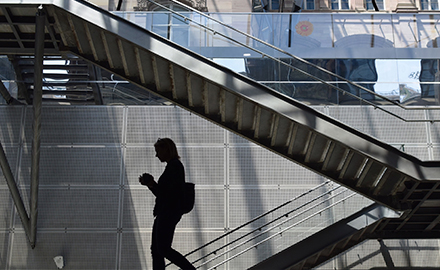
<point>166,150</point>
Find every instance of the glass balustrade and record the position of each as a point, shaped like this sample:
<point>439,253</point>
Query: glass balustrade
<point>392,57</point>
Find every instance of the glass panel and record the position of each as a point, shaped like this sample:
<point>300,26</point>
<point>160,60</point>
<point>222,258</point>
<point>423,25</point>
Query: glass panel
<point>362,48</point>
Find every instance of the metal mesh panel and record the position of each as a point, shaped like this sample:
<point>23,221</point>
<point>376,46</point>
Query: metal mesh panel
<point>436,151</point>
<point>61,125</point>
<point>5,210</point>
<point>434,127</point>
<point>135,250</point>
<point>139,160</point>
<point>10,129</point>
<point>208,210</point>
<point>78,166</point>
<point>81,250</point>
<point>72,208</point>
<point>138,208</point>
<point>4,238</point>
<point>420,152</point>
<point>204,166</point>
<point>145,125</point>
<point>257,166</point>
<point>382,125</point>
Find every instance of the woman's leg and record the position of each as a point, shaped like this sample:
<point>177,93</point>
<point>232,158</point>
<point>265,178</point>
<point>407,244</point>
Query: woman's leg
<point>156,254</point>
<point>163,233</point>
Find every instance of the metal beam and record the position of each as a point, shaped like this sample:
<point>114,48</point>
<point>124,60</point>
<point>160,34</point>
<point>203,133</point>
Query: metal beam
<point>18,201</point>
<point>7,96</point>
<point>37,101</point>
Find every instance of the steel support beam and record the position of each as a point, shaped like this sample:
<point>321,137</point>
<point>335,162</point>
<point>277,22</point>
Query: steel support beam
<point>7,96</point>
<point>18,201</point>
<point>37,102</point>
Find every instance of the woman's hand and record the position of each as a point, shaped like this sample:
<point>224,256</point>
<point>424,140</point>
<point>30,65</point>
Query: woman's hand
<point>146,179</point>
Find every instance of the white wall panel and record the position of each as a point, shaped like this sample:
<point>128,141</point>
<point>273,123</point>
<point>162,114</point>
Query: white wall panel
<point>81,250</point>
<point>382,125</point>
<point>77,125</point>
<point>94,212</point>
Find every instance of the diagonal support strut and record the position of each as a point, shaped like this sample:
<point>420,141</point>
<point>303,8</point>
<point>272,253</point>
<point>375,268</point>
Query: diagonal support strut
<point>18,201</point>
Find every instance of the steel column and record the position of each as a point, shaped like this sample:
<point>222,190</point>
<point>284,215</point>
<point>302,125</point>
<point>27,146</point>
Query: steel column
<point>37,101</point>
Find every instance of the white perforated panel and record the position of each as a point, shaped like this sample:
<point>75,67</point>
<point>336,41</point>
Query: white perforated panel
<point>145,126</point>
<point>94,212</point>
<point>81,250</point>
<point>257,166</point>
<point>382,125</point>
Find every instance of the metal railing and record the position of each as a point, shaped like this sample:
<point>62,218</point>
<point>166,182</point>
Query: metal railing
<point>284,219</point>
<point>320,69</point>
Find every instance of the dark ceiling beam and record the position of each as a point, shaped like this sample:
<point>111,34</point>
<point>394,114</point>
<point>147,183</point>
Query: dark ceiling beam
<point>14,28</point>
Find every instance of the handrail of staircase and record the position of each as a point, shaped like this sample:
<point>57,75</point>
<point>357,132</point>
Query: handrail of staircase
<point>267,230</point>
<point>279,232</point>
<point>305,62</point>
<point>264,225</point>
<point>257,218</point>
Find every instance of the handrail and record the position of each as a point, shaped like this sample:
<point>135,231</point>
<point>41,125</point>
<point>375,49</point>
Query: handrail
<point>255,219</point>
<point>303,61</point>
<point>306,207</point>
<point>269,229</point>
<point>278,233</point>
<point>262,226</point>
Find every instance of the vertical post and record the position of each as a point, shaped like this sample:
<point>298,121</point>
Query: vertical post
<point>38,96</point>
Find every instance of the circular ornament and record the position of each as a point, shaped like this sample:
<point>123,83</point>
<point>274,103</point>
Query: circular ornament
<point>304,28</point>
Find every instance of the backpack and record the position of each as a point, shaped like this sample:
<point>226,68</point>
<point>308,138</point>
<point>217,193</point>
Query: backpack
<point>189,195</point>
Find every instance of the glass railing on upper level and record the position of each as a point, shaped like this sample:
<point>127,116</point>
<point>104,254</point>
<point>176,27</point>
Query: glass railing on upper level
<point>390,58</point>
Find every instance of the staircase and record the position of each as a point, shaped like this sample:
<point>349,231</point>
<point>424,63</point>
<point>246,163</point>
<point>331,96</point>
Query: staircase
<point>283,125</point>
<point>330,241</point>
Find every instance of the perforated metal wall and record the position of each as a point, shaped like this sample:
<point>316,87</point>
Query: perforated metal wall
<point>93,211</point>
